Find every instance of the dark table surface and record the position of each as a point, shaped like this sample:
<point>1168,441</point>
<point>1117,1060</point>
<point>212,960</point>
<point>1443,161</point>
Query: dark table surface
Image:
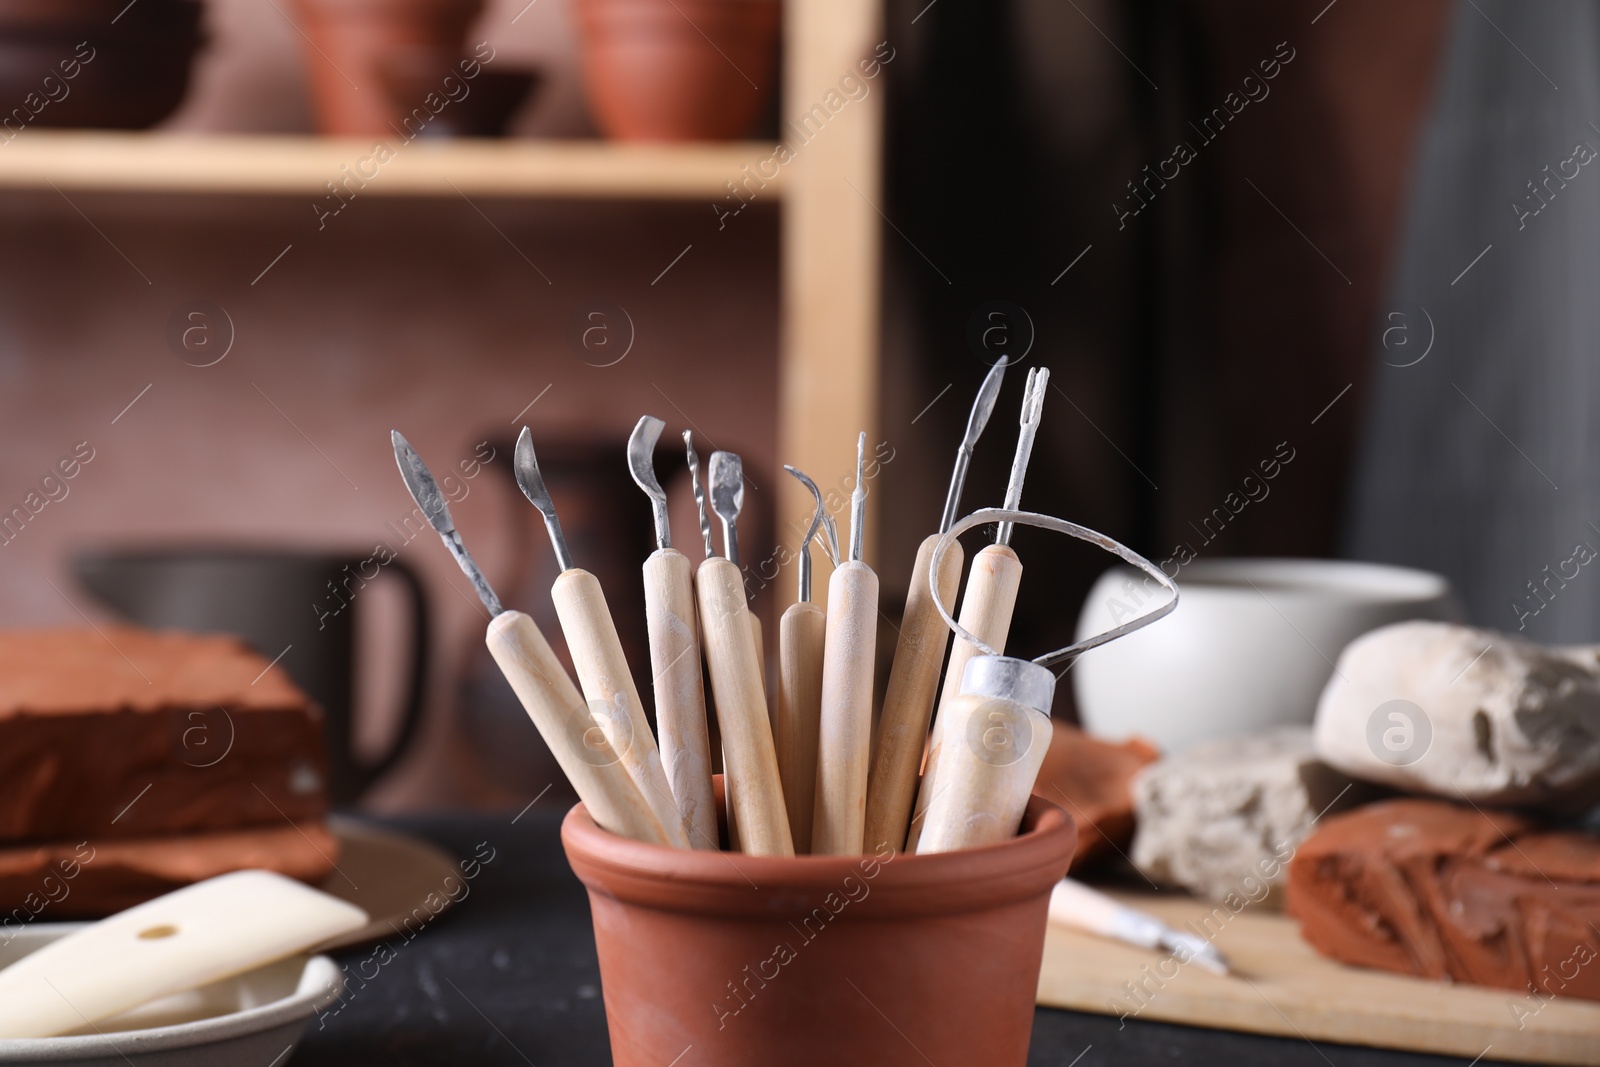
<point>509,976</point>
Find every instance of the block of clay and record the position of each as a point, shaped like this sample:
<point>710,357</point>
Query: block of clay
<point>1447,891</point>
<point>1223,817</point>
<point>125,732</point>
<point>1092,779</point>
<point>92,879</point>
<point>1466,714</point>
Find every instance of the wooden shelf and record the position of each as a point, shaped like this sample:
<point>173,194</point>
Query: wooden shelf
<point>280,165</point>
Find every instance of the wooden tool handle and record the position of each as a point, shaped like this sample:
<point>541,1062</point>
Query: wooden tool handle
<point>608,687</point>
<point>569,731</point>
<point>680,692</point>
<point>989,759</point>
<point>800,643</point>
<point>750,763</point>
<point>908,704</point>
<point>986,614</point>
<point>844,741</point>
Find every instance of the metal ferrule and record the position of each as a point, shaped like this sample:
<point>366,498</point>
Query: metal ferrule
<point>1009,678</point>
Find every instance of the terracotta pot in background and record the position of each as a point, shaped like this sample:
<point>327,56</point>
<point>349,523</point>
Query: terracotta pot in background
<point>357,51</point>
<point>651,74</point>
<point>820,959</point>
<point>95,63</point>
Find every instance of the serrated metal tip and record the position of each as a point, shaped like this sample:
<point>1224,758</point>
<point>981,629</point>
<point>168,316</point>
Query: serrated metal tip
<point>699,492</point>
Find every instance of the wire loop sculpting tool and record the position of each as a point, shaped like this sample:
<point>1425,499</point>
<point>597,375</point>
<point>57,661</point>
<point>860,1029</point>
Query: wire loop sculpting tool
<point>999,726</point>
<point>991,593</point>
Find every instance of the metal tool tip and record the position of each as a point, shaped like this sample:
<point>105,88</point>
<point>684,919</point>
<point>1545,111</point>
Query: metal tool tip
<point>983,404</point>
<point>646,432</point>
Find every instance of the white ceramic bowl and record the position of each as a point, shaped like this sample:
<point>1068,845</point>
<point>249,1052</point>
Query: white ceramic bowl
<point>1251,644</point>
<point>251,1020</point>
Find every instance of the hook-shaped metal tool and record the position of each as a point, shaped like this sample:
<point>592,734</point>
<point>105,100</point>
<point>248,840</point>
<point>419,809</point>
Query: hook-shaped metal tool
<point>641,464</point>
<point>1032,411</point>
<point>821,520</point>
<point>531,482</point>
<point>699,492</point>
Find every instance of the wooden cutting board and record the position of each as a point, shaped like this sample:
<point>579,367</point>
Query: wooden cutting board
<point>1281,986</point>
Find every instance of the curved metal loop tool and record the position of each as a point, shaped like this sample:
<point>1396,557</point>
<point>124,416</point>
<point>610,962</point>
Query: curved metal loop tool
<point>820,521</point>
<point>1009,516</point>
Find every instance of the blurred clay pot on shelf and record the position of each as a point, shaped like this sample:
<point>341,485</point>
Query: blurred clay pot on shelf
<point>678,70</point>
<point>359,52</point>
<point>95,63</point>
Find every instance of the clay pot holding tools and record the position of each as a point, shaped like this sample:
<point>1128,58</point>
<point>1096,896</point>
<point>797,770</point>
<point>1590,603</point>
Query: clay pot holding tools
<point>678,70</point>
<point>741,961</point>
<point>358,51</point>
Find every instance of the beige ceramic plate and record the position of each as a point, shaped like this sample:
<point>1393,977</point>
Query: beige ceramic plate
<point>392,876</point>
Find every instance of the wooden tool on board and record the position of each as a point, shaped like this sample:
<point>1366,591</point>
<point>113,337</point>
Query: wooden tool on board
<point>188,938</point>
<point>999,725</point>
<point>1076,905</point>
<point>597,655</point>
<point>919,652</point>
<point>800,644</point>
<point>750,762</point>
<point>991,596</point>
<point>542,685</point>
<point>844,742</point>
<point>679,686</point>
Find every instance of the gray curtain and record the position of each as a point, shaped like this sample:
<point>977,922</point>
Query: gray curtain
<point>1480,461</point>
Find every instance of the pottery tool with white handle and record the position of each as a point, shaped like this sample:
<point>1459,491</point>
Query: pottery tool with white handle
<point>800,645</point>
<point>675,654</point>
<point>844,742</point>
<point>540,682</point>
<point>1076,905</point>
<point>991,596</point>
<point>750,762</point>
<point>597,656</point>
<point>999,728</point>
<point>919,652</point>
<point>197,935</point>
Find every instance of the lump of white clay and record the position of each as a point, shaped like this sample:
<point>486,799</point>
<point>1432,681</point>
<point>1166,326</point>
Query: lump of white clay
<point>1466,714</point>
<point>1223,818</point>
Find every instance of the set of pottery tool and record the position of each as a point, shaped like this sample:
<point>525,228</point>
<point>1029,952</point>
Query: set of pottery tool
<point>803,771</point>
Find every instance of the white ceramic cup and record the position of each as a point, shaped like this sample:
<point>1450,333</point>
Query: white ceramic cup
<point>1251,644</point>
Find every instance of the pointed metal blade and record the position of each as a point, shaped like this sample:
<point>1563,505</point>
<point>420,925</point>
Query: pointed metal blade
<point>531,482</point>
<point>641,464</point>
<point>430,501</point>
<point>419,480</point>
<point>982,408</point>
<point>983,405</point>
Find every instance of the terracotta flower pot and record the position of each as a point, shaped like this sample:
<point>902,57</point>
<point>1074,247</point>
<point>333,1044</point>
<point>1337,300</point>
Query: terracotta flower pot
<point>651,74</point>
<point>357,51</point>
<point>891,961</point>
